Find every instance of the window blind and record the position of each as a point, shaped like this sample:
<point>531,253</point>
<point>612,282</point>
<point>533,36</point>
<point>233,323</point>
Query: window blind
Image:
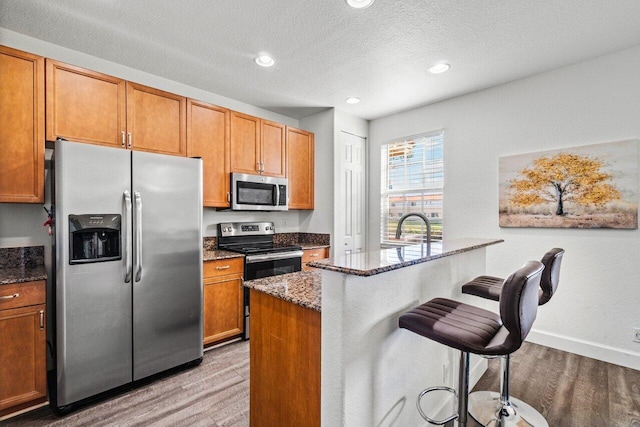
<point>412,182</point>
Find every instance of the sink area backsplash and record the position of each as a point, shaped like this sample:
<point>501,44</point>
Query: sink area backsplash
<point>313,239</point>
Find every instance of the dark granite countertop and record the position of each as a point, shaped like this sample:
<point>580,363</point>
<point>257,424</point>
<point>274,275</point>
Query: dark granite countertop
<point>216,254</point>
<point>311,246</point>
<point>303,288</point>
<point>9,276</point>
<point>376,262</point>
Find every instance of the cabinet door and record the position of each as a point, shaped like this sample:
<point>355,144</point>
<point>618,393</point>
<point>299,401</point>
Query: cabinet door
<point>245,143</point>
<point>222,308</point>
<point>273,149</point>
<point>208,138</point>
<point>23,376</point>
<point>85,106</point>
<point>300,169</point>
<point>156,120</point>
<point>21,127</point>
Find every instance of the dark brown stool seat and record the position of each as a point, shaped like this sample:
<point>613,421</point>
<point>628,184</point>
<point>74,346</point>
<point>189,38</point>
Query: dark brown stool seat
<point>472,329</point>
<point>489,287</point>
<point>484,405</point>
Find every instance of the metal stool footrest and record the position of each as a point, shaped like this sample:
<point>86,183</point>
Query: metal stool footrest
<point>429,390</point>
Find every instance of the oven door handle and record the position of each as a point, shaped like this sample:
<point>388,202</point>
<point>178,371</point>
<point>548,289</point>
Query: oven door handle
<point>251,259</point>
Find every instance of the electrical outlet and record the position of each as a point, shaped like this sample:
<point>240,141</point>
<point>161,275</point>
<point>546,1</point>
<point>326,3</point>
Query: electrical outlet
<point>284,222</point>
<point>636,334</point>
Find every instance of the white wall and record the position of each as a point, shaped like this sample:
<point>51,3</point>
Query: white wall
<point>591,102</point>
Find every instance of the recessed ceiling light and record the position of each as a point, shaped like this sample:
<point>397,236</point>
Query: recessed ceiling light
<point>359,4</point>
<point>352,100</point>
<point>265,61</point>
<point>439,68</point>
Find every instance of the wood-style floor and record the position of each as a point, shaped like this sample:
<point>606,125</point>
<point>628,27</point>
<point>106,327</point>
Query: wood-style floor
<point>569,390</point>
<point>214,394</point>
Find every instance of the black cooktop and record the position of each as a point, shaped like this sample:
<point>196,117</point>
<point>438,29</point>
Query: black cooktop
<point>259,249</point>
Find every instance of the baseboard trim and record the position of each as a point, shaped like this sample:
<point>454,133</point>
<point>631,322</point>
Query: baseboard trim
<point>617,356</point>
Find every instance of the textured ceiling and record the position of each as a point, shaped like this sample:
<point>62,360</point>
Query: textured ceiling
<point>326,51</point>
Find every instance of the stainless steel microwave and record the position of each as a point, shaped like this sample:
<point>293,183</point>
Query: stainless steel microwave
<point>258,193</point>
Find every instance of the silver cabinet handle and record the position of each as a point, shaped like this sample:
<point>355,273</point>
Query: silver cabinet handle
<point>127,247</point>
<point>313,255</point>
<point>10,296</point>
<point>130,137</point>
<point>228,197</point>
<point>138,241</point>
<point>123,142</point>
<point>223,267</point>
<point>42,320</point>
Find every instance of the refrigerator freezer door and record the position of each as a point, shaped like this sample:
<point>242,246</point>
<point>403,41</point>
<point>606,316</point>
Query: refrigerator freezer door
<point>93,302</point>
<point>167,284</point>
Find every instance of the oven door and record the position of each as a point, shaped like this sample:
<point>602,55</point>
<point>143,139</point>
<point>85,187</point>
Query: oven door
<point>265,265</point>
<point>272,264</point>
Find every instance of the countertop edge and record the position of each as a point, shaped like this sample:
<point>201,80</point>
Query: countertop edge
<point>329,265</point>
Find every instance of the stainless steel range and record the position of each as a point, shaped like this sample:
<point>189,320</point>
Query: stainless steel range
<point>263,258</point>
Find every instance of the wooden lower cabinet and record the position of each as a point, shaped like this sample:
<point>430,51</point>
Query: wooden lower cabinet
<point>310,255</point>
<point>223,299</point>
<point>284,363</point>
<point>23,362</point>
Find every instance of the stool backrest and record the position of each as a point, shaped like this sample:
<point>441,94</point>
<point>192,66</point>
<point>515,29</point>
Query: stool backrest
<point>551,274</point>
<point>519,303</point>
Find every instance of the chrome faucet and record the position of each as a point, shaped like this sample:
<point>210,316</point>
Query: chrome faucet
<point>419,215</point>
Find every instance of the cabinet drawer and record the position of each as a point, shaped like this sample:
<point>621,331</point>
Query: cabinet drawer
<point>222,267</point>
<point>22,294</point>
<point>309,255</point>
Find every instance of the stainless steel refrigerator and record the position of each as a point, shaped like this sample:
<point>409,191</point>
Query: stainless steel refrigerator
<point>127,270</point>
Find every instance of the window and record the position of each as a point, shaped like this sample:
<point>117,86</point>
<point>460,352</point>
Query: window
<point>412,182</point>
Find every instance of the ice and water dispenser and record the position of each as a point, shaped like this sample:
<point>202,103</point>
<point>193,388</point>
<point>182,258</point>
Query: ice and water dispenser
<point>94,238</point>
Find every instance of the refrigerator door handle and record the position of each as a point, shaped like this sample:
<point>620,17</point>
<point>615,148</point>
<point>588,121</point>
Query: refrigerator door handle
<point>127,248</point>
<point>138,240</point>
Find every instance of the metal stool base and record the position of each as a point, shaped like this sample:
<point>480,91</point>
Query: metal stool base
<point>485,407</point>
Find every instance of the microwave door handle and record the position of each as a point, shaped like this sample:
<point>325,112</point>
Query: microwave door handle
<point>138,240</point>
<point>127,247</point>
<point>277,195</point>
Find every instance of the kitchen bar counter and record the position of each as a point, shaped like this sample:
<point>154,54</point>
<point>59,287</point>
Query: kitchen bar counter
<point>376,262</point>
<point>370,370</point>
<point>302,288</point>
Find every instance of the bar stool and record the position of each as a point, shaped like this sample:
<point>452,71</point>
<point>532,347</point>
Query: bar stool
<point>485,405</point>
<point>471,329</point>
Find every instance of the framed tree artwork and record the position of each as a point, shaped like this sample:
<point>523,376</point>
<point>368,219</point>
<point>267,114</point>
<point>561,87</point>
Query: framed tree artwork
<point>592,186</point>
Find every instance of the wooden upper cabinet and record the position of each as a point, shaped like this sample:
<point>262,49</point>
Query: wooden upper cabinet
<point>257,146</point>
<point>208,138</point>
<point>245,143</point>
<point>21,127</point>
<point>85,106</point>
<point>273,149</point>
<point>156,120</point>
<point>300,168</point>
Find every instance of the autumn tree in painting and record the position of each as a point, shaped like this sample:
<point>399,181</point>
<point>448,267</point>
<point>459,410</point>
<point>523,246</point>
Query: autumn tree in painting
<point>563,178</point>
